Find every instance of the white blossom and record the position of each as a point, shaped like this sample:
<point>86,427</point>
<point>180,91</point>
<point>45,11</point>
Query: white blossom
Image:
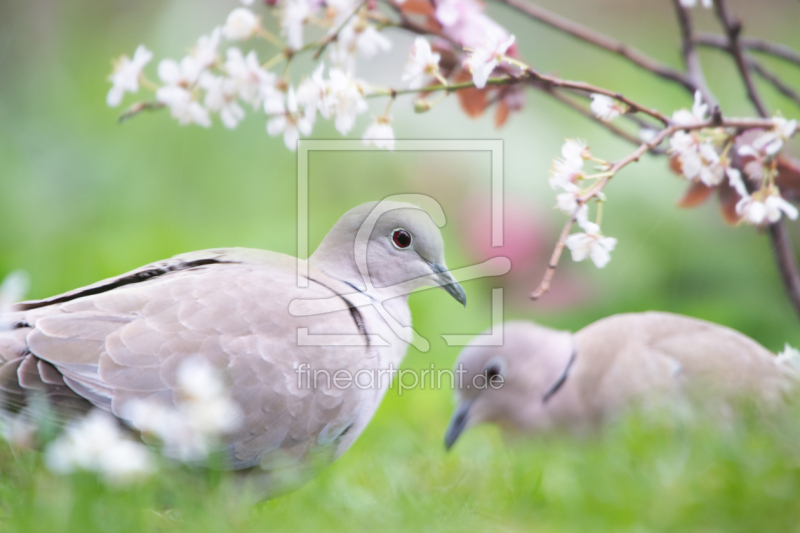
<point>698,113</point>
<point>95,443</point>
<point>567,170</point>
<point>606,108</point>
<point>789,359</point>
<point>591,244</point>
<point>241,25</point>
<point>205,51</point>
<point>312,93</point>
<point>483,59</point>
<point>347,100</point>
<point>125,77</point>
<point>772,141</point>
<point>380,134</point>
<point>567,202</point>
<point>288,120</point>
<point>220,98</point>
<point>203,412</point>
<point>253,82</point>
<point>183,107</point>
<point>757,209</point>
<point>422,64</point>
<point>294,17</point>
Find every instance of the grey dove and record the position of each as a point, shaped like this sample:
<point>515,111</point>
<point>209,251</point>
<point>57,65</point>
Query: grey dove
<point>123,338</point>
<point>542,379</point>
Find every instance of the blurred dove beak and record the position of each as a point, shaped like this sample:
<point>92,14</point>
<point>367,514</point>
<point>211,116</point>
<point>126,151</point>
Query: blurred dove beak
<point>448,283</point>
<point>457,423</point>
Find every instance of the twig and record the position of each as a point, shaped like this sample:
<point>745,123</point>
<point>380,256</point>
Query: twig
<point>733,28</point>
<point>586,112</point>
<point>690,58</point>
<point>756,45</point>
<point>782,87</point>
<point>588,88</point>
<point>601,41</point>
<point>785,258</point>
<point>737,124</point>
<point>137,108</point>
<point>335,35</point>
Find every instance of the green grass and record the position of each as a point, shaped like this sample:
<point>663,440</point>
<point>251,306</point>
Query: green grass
<point>646,472</point>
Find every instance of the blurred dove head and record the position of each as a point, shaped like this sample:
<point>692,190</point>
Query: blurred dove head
<point>510,385</point>
<point>387,245</point>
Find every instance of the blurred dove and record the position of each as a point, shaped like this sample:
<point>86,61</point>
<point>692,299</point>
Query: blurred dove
<point>123,338</point>
<point>542,379</point>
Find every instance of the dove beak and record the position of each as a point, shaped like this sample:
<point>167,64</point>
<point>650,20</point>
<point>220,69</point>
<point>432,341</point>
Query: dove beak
<point>458,423</point>
<point>448,282</point>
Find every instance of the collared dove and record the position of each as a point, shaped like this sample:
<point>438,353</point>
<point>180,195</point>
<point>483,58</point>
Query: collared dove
<point>542,379</point>
<point>123,338</point>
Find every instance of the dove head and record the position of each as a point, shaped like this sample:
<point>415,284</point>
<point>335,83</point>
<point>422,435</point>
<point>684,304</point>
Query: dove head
<point>510,385</point>
<point>385,245</point>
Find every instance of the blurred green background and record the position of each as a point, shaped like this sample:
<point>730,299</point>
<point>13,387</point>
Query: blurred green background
<point>83,197</point>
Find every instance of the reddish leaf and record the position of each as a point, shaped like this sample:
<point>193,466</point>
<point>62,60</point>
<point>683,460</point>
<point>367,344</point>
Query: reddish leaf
<point>501,114</point>
<point>473,101</point>
<point>675,165</point>
<point>418,7</point>
<point>696,194</point>
<point>728,198</point>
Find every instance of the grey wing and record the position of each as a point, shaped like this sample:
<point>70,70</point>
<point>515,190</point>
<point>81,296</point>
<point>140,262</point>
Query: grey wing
<point>106,347</point>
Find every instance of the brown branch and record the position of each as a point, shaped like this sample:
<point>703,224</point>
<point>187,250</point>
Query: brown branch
<point>733,29</point>
<point>781,86</point>
<point>787,264</point>
<point>586,112</point>
<point>737,124</point>
<point>690,58</point>
<point>137,108</point>
<point>752,44</point>
<point>634,107</point>
<point>599,40</point>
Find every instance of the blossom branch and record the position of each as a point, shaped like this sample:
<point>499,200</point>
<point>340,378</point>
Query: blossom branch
<point>756,45</point>
<point>599,40</point>
<point>690,58</point>
<point>716,121</point>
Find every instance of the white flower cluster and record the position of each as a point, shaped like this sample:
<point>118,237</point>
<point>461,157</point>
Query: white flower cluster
<point>688,4</point>
<point>211,81</point>
<point>96,443</point>
<point>568,176</point>
<point>202,414</point>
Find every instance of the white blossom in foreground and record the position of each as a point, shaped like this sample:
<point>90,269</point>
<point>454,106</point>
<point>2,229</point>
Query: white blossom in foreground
<point>591,244</point>
<point>698,113</point>
<point>380,134</point>
<point>699,159</point>
<point>125,77</point>
<point>313,93</point>
<point>95,443</point>
<point>202,414</point>
<point>483,59</point>
<point>569,169</point>
<point>606,108</point>
<point>789,359</point>
<point>295,14</point>
<point>772,141</point>
<point>422,64</point>
<point>241,25</point>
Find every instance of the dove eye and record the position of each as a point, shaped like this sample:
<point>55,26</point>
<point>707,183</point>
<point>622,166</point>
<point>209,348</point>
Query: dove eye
<point>401,238</point>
